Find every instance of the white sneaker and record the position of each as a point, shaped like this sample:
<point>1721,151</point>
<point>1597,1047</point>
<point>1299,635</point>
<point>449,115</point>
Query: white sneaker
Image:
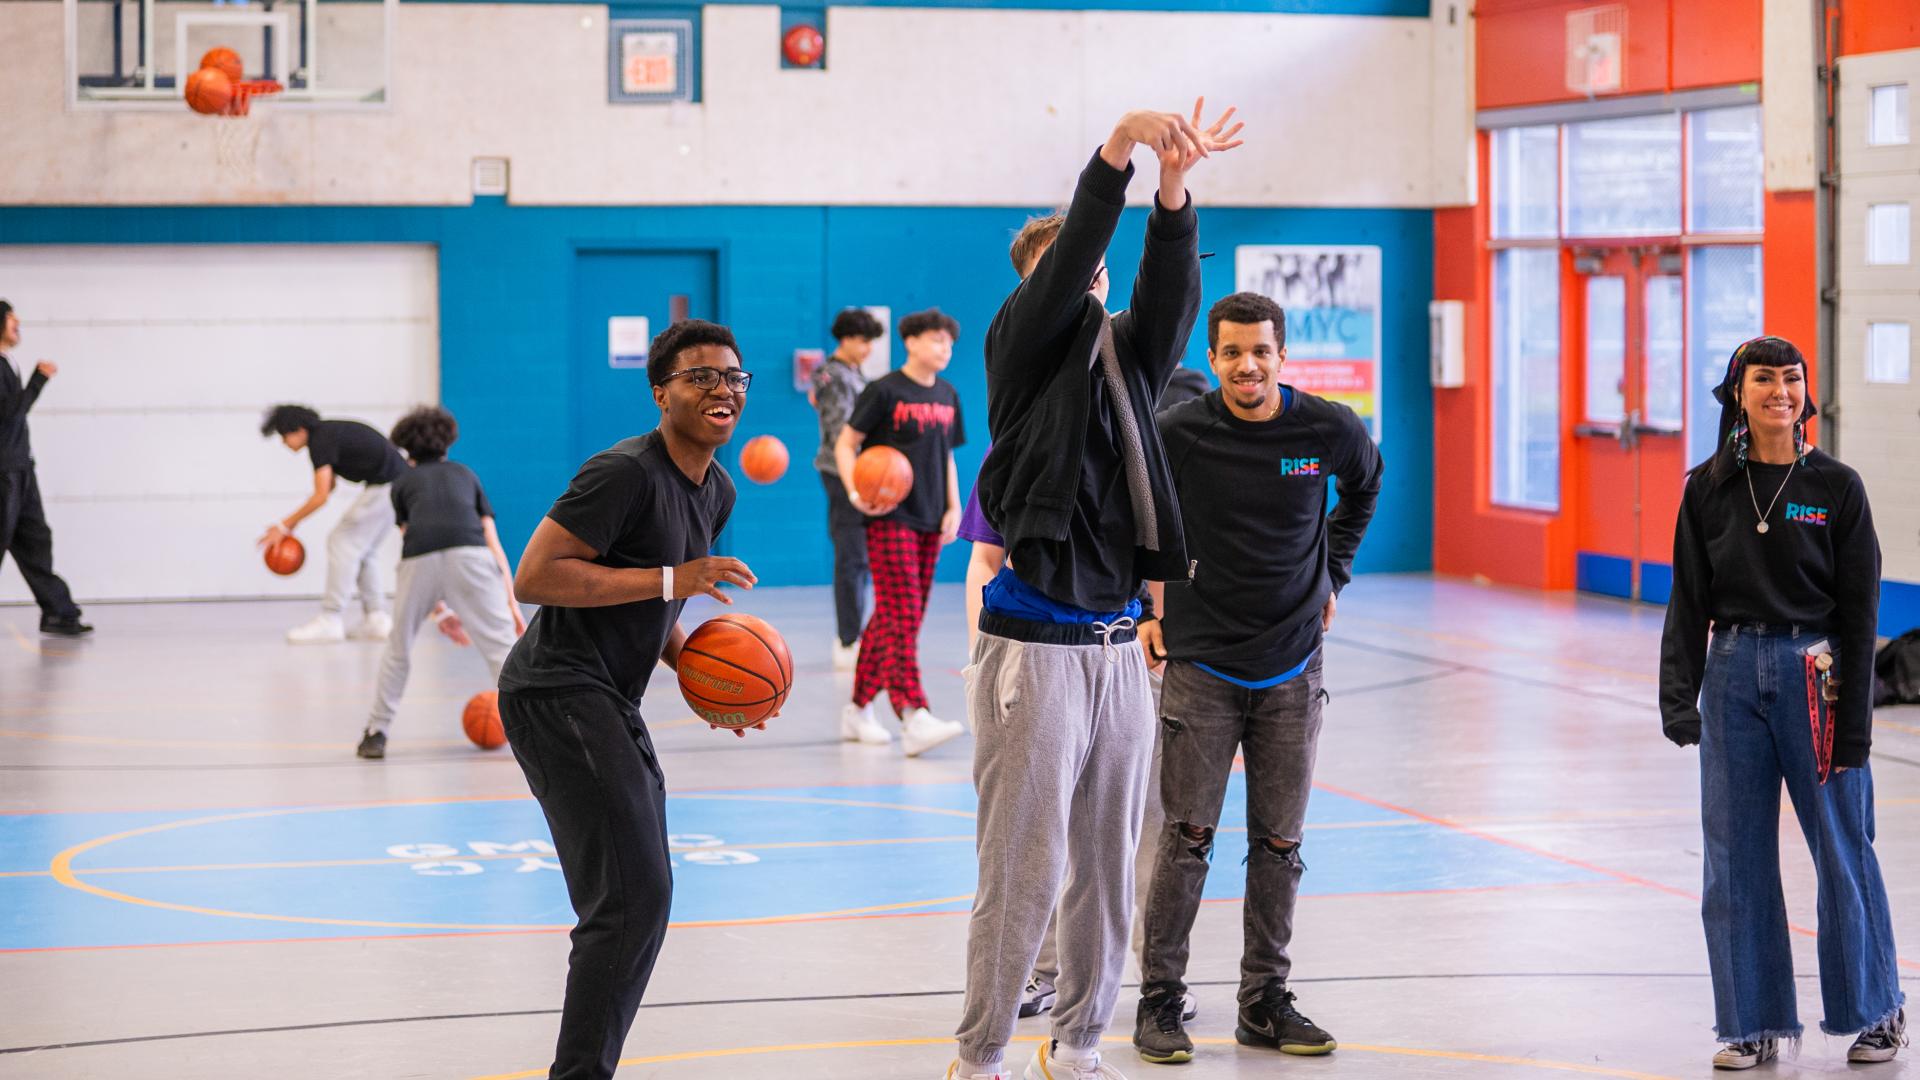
<point>858,725</point>
<point>1045,1066</point>
<point>845,657</point>
<point>375,627</point>
<point>954,1073</point>
<point>922,731</point>
<point>322,629</point>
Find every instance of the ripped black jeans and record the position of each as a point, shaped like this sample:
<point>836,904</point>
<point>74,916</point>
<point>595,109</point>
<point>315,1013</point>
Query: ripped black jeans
<point>1205,721</point>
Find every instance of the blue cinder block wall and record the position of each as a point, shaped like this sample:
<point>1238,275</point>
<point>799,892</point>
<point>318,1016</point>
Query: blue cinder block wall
<point>505,345</point>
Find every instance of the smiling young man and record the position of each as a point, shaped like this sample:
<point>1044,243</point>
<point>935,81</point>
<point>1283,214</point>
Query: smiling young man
<point>916,412</point>
<point>1241,644</point>
<point>611,565</point>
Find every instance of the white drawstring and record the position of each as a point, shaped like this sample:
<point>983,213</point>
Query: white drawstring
<point>1106,632</point>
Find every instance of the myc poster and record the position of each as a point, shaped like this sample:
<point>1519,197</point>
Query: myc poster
<point>1332,299</point>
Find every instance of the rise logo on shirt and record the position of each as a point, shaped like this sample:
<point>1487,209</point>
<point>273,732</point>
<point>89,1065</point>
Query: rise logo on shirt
<point>925,415</point>
<point>1806,515</point>
<point>1299,466</point>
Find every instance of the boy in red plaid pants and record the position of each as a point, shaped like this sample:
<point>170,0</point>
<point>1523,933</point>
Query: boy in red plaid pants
<point>916,412</point>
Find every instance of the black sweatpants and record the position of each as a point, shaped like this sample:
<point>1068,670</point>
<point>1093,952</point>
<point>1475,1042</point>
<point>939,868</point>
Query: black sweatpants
<point>25,534</point>
<point>590,763</point>
<point>852,577</point>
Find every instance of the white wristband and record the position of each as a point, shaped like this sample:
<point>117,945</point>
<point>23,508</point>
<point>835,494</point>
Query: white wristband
<point>666,583</point>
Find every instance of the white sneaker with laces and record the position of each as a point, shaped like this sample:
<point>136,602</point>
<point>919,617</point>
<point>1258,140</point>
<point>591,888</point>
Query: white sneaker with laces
<point>845,657</point>
<point>1047,1066</point>
<point>323,629</point>
<point>375,627</point>
<point>857,724</point>
<point>921,731</point>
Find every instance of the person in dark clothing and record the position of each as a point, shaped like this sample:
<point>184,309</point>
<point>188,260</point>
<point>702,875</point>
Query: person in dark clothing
<point>1079,488</point>
<point>342,450</point>
<point>836,384</point>
<point>613,563</point>
<point>1240,641</point>
<point>24,532</point>
<point>1767,664</point>
<point>916,412</point>
<point>450,554</point>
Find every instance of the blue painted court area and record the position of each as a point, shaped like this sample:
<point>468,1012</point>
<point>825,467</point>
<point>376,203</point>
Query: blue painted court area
<point>90,880</point>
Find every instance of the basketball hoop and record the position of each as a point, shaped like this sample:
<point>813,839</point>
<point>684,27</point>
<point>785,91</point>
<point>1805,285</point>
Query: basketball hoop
<point>237,128</point>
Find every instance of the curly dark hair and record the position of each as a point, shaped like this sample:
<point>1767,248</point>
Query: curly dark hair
<point>425,433</point>
<point>287,419</point>
<point>921,322</point>
<point>664,354</point>
<point>1249,309</point>
<point>857,323</point>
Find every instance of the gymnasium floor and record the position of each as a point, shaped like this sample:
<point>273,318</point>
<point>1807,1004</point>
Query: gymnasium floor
<point>198,879</point>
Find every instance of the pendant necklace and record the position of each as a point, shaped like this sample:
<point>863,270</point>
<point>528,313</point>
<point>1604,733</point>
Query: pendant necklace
<point>1761,526</point>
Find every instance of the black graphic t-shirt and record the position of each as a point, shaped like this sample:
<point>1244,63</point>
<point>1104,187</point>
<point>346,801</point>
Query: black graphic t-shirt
<point>922,422</point>
<point>357,452</point>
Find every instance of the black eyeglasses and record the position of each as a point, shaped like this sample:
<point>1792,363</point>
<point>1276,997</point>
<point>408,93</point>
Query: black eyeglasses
<point>706,378</point>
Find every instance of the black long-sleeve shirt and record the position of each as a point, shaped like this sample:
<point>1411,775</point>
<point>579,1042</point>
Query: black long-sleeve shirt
<point>1267,552</point>
<point>16,452</point>
<point>1817,565</point>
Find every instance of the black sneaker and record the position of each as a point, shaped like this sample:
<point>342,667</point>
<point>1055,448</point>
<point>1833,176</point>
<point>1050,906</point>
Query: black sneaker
<point>1747,1054</point>
<point>1274,1023</point>
<point>71,626</point>
<point>1160,1034</point>
<point>1882,1042</point>
<point>1036,997</point>
<point>373,745</point>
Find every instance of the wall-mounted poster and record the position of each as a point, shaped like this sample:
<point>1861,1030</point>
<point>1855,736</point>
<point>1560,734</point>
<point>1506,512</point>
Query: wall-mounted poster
<point>627,341</point>
<point>1332,299</point>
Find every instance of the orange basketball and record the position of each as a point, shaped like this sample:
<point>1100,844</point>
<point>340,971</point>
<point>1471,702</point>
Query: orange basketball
<point>882,476</point>
<point>226,60</point>
<point>735,671</point>
<point>209,91</point>
<point>285,556</point>
<point>764,459</point>
<point>482,720</point>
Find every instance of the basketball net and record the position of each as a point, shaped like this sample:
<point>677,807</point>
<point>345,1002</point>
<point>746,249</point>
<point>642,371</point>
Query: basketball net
<point>237,130</point>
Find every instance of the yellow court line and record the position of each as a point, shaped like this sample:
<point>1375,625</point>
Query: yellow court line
<point>1489,646</point>
<point>968,814</point>
<point>874,1044</point>
<point>338,745</point>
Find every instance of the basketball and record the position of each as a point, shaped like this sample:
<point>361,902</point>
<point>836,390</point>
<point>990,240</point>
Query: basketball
<point>883,477</point>
<point>226,61</point>
<point>735,671</point>
<point>481,718</point>
<point>764,459</point>
<point>209,91</point>
<point>285,556</point>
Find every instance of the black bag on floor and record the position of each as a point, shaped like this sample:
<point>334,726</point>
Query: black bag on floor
<point>1896,671</point>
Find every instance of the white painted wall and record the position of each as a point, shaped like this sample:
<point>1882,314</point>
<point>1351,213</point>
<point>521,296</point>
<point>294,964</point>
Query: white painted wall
<point>921,106</point>
<point>156,478</point>
<point>1879,422</point>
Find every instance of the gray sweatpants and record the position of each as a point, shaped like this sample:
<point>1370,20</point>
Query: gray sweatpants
<point>353,552</point>
<point>470,582</point>
<point>1062,739</point>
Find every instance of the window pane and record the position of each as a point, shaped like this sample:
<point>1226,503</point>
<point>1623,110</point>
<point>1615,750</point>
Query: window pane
<point>1723,296</point>
<point>1606,350</point>
<point>1724,157</point>
<point>1887,122</point>
<point>1889,352</point>
<point>1665,353</point>
<point>1623,176</point>
<point>1526,182</point>
<point>1526,378</point>
<point>1887,234</point>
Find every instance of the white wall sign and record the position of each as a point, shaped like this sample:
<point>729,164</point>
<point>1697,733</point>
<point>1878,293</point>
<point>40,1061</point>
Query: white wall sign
<point>627,341</point>
<point>880,360</point>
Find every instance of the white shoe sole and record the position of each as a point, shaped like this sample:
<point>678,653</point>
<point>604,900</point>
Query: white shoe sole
<point>917,746</point>
<point>866,736</point>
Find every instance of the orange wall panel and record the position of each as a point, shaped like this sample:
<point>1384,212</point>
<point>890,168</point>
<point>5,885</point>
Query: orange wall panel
<point>1716,42</point>
<point>1790,276</point>
<point>1878,26</point>
<point>1522,51</point>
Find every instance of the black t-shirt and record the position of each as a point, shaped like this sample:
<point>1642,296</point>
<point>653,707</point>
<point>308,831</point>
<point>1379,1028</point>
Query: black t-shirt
<point>1817,565</point>
<point>922,422</point>
<point>356,452</point>
<point>440,504</point>
<point>632,504</point>
<point>1092,568</point>
<point>1265,549</point>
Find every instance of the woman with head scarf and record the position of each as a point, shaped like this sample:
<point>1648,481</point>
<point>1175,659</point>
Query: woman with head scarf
<point>1767,664</point>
